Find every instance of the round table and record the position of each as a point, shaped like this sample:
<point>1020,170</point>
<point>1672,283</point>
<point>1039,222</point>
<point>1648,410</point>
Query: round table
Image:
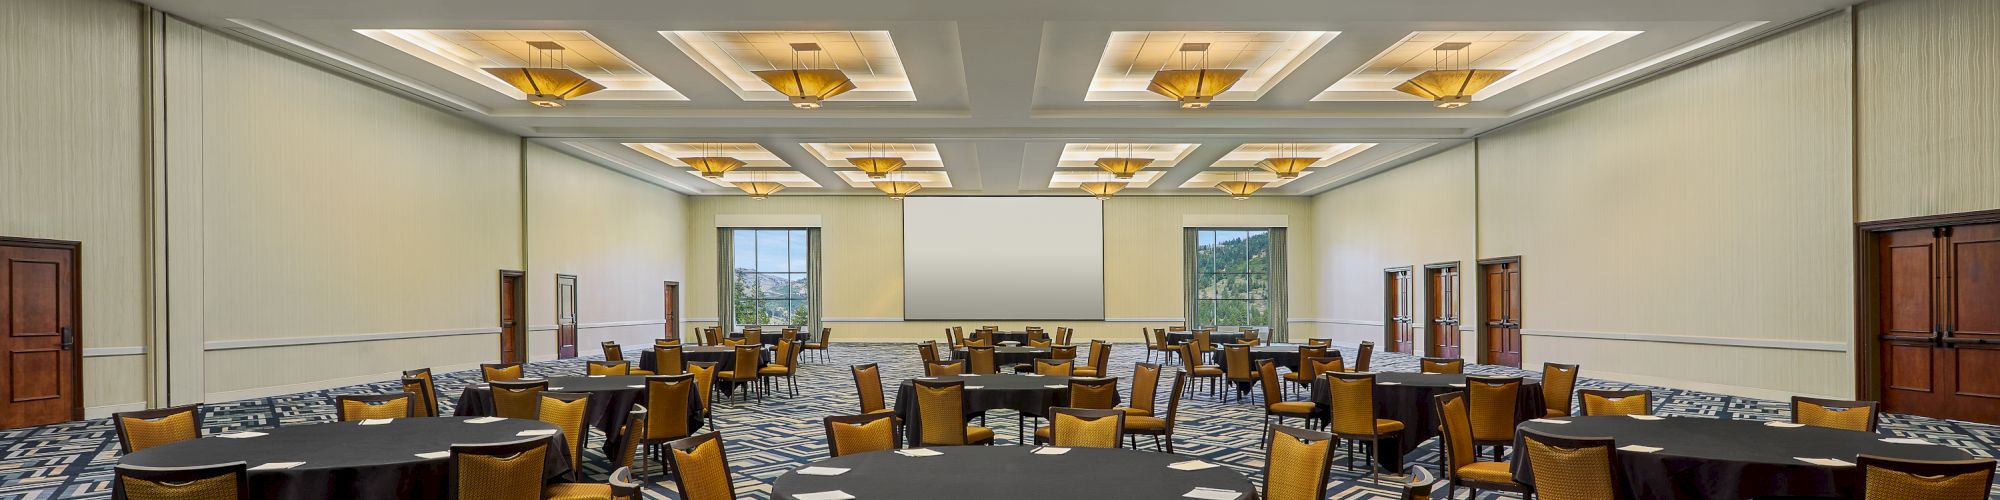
<point>1714,458</point>
<point>1214,338</point>
<point>1410,398</point>
<point>1283,355</point>
<point>1011,473</point>
<point>349,460</point>
<point>723,356</point>
<point>1009,355</point>
<point>1029,394</point>
<point>611,401</point>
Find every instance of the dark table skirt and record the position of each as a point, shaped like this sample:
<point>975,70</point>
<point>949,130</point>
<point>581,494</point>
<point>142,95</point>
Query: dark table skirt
<point>1023,393</point>
<point>1011,473</point>
<point>1284,356</point>
<point>1216,338</point>
<point>1411,401</point>
<point>611,401</point>
<point>723,357</point>
<point>1006,356</point>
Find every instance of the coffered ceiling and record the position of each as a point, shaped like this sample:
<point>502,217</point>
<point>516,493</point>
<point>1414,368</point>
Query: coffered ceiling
<point>1000,98</point>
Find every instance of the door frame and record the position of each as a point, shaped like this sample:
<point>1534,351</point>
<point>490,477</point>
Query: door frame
<point>1867,288</point>
<point>1389,303</point>
<point>1431,333</point>
<point>520,313</point>
<point>577,293</point>
<point>673,308</point>
<point>75,249</point>
<point>1479,306</point>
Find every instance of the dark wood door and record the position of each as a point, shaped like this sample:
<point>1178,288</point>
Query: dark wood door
<point>1443,307</point>
<point>511,338</point>
<point>673,315</point>
<point>1399,316</point>
<point>38,331</point>
<point>1940,330</point>
<point>565,316</point>
<point>1500,290</point>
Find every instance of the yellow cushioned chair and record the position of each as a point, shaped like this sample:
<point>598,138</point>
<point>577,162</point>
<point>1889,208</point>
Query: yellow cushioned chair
<point>786,371</point>
<point>1236,367</point>
<point>1190,359</point>
<point>666,406</point>
<point>980,360</point>
<point>1145,389</point>
<point>704,387</point>
<point>1493,401</point>
<point>1055,367</point>
<point>1573,468</point>
<point>1453,366</point>
<point>1558,380</point>
<point>1098,358</point>
<point>1892,479</point>
<point>928,350</point>
<point>619,486</point>
<point>1297,464</point>
<point>608,368</point>
<point>1834,413</point>
<point>941,411</point>
<point>499,372</point>
<point>1459,457</point>
<point>517,399</point>
<point>420,383</point>
<point>568,411</point>
<point>1361,357</point>
<point>138,430</point>
<point>1275,406</point>
<point>372,406</point>
<point>207,482</point>
<point>944,368</point>
<point>1311,369</point>
<point>1306,372</point>
<point>668,360</point>
<point>1352,397</point>
<point>819,345</point>
<point>1088,393</point>
<point>1082,428</point>
<point>1600,403</point>
<point>743,373</point>
<point>850,434</point>
<point>1160,428</point>
<point>500,471</point>
<point>868,389</point>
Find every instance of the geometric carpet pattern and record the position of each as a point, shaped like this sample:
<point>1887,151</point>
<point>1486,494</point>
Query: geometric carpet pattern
<point>767,439</point>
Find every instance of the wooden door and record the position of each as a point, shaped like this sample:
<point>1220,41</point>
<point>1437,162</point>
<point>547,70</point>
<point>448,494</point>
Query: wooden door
<point>1500,300</point>
<point>1442,304</point>
<point>38,332</point>
<point>673,308</point>
<point>565,316</point>
<point>1939,332</point>
<point>1399,329</point>
<point>511,337</point>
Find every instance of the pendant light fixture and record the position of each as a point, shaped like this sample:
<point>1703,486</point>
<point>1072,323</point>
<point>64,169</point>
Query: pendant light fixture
<point>1124,167</point>
<point>1453,83</point>
<point>1102,189</point>
<point>1194,86</point>
<point>877,164</point>
<point>759,188</point>
<point>897,188</point>
<point>712,164</point>
<point>806,86</point>
<point>545,79</point>
<point>1288,166</point>
<point>1242,187</point>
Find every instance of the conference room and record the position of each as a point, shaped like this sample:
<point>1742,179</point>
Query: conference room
<point>1115,249</point>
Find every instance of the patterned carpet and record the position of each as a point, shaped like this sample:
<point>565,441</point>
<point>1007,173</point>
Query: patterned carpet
<point>75,460</point>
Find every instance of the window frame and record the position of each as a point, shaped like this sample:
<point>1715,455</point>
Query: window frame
<point>753,310</point>
<point>1208,308</point>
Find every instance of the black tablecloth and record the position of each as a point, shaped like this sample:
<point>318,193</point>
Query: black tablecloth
<point>1028,394</point>
<point>1411,400</point>
<point>1004,355</point>
<point>1713,458</point>
<point>349,460</point>
<point>1283,355</point>
<point>611,400</point>
<point>1011,473</point>
<point>771,337</point>
<point>724,357</point>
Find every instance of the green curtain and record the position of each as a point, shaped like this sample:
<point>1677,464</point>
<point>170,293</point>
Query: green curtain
<point>1280,319</point>
<point>1190,242</point>
<point>725,276</point>
<point>812,283</point>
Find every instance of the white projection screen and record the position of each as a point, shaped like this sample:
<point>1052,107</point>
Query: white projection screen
<point>1003,258</point>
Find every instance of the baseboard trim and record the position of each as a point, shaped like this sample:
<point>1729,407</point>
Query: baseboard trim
<point>224,345</point>
<point>1333,321</point>
<point>98,352</point>
<point>1684,384</point>
<point>861,320</point>
<point>280,390</point>
<point>105,411</point>
<point>606,324</point>
<point>1797,345</point>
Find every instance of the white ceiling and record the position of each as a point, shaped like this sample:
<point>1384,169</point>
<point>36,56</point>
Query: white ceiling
<point>999,90</point>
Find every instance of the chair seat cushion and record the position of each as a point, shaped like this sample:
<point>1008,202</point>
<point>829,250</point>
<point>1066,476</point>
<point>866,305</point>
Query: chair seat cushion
<point>1207,370</point>
<point>1491,472</point>
<point>1385,426</point>
<point>577,491</point>
<point>1136,412</point>
<point>772,370</point>
<point>1042,433</point>
<point>636,371</point>
<point>882,410</point>
<point>1133,423</point>
<point>977,434</point>
<point>1301,408</point>
<point>1552,412</point>
<point>1083,372</point>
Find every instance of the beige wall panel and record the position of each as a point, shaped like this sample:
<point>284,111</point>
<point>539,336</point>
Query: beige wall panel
<point>1708,202</point>
<point>623,238</point>
<point>113,384</point>
<point>300,368</point>
<point>1930,142</point>
<point>1417,214</point>
<point>70,164</point>
<point>861,248</point>
<point>1684,366</point>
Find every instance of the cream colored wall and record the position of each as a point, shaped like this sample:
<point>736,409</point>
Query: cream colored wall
<point>621,237</point>
<point>1924,93</point>
<point>864,300</point>
<point>1709,208</point>
<point>1419,213</point>
<point>71,169</point>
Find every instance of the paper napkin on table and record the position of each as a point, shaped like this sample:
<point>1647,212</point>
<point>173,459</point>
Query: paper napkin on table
<point>1549,421</point>
<point>919,452</point>
<point>1828,462</point>
<point>1638,448</point>
<point>1191,465</point>
<point>1458,385</point>
<point>1786,425</point>
<point>1213,494</point>
<point>1050,450</point>
<point>278,466</point>
<point>242,435</point>
<point>1388,383</point>
<point>596,376</point>
<point>971,387</point>
<point>376,421</point>
<point>536,432</point>
<point>1056,386</point>
<point>435,455</point>
<point>484,420</point>
<point>636,386</point>
<point>555,388</point>
<point>822,471</point>
<point>927,378</point>
<point>1905,441</point>
<point>1647,417</point>
<point>824,495</point>
<point>1031,374</point>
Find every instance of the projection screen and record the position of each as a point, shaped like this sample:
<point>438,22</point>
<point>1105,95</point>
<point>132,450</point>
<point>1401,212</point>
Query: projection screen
<point>1002,258</point>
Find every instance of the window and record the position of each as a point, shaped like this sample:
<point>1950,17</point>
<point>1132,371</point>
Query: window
<point>1232,278</point>
<point>773,279</point>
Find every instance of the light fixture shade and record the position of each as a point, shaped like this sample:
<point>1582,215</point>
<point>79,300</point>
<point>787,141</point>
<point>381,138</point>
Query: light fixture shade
<point>877,166</point>
<point>712,166</point>
<point>1194,88</point>
<point>1239,189</point>
<point>546,87</point>
<point>760,189</point>
<point>1123,168</point>
<point>1451,88</point>
<point>1287,167</point>
<point>1102,190</point>
<point>898,189</point>
<point>807,87</point>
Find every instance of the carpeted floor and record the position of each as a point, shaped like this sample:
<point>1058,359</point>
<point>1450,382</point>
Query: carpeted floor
<point>75,460</point>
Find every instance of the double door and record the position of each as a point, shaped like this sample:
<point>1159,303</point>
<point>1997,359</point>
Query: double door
<point>1500,307</point>
<point>1938,331</point>
<point>1443,308</point>
<point>1399,324</point>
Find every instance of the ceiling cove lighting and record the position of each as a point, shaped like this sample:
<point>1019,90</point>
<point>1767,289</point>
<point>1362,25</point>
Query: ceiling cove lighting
<point>1194,87</point>
<point>807,86</point>
<point>1454,82</point>
<point>711,165</point>
<point>546,80</point>
<point>1288,166</point>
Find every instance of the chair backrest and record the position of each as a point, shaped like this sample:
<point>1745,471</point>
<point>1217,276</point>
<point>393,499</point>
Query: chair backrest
<point>1062,351</point>
<point>988,337</point>
<point>1353,401</point>
<point>1086,428</point>
<point>1063,334</point>
<point>746,362</point>
<point>1319,342</point>
<point>622,485</point>
<point>981,359</point>
<point>1055,367</point>
<point>371,406</point>
<point>1250,337</point>
<point>669,361</point>
<point>1202,341</point>
<point>990,328</point>
<point>941,408</point>
<point>1097,393</point>
<point>633,433</point>
<point>667,395</point>
<point>789,352</point>
<point>498,471</point>
<point>1886,478</point>
<point>1188,360</point>
<point>666,342</point>
<point>1452,366</point>
<point>1040,342</point>
<point>427,401</point>
<point>1176,328</point>
<point>1309,352</point>
<point>1454,416</point>
<point>608,368</point>
<point>498,372</point>
<point>1493,401</point>
<point>1361,359</point>
<point>1834,413</point>
<point>1237,356</point>
<point>1100,356</point>
<point>1330,363</point>
<point>138,430</point>
<point>1598,403</point>
<point>825,337</point>
<point>1159,338</point>
<point>1558,380</point>
<point>1145,385</point>
<point>712,335</point>
<point>1297,463</point>
<point>611,351</point>
<point>928,349</point>
<point>569,411</point>
<point>791,334</point>
<point>701,468</point>
<point>206,482</point>
<point>978,343</point>
<point>850,434</point>
<point>517,398</point>
<point>704,381</point>
<point>422,403</point>
<point>1174,400</point>
<point>942,368</point>
<point>754,335</point>
<point>868,387</point>
<point>955,335</point>
<point>1572,468</point>
<point>1267,376</point>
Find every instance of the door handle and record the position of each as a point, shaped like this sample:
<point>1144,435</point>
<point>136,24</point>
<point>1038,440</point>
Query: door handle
<point>68,338</point>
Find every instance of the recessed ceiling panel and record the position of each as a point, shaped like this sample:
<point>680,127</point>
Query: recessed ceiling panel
<point>869,58</point>
<point>759,164</point>
<point>1071,179</point>
<point>1208,179</point>
<point>1528,54</point>
<point>1132,57</point>
<point>469,52</point>
<point>923,164</point>
<point>1246,156</point>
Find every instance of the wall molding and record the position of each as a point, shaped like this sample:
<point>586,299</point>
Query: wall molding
<point>99,352</point>
<point>606,324</point>
<point>861,320</point>
<point>224,345</point>
<point>1235,220</point>
<point>280,390</point>
<point>766,220</point>
<point>1799,345</point>
<point>1146,320</point>
<point>1335,321</point>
